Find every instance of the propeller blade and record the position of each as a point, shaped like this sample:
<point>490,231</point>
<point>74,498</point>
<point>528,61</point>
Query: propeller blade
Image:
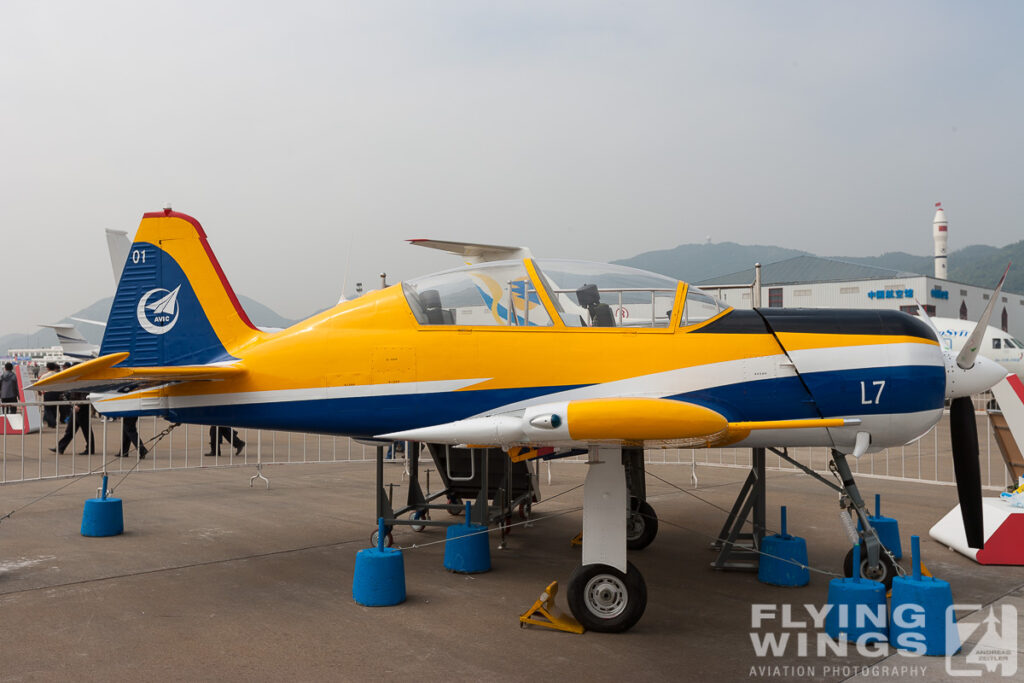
<point>923,314</point>
<point>964,436</point>
<point>970,351</point>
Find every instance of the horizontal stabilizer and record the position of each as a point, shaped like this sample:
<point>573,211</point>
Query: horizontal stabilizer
<point>100,374</point>
<point>476,253</point>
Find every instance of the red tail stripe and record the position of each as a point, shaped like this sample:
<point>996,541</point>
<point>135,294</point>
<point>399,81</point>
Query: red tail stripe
<point>213,259</point>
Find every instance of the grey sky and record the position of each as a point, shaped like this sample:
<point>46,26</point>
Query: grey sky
<point>300,133</point>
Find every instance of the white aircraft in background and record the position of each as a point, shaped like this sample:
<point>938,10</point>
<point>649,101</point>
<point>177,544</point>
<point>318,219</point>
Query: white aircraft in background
<point>69,337</point>
<point>997,345</point>
<point>72,341</point>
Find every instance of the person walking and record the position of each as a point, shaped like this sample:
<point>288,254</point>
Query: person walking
<point>218,434</point>
<point>63,410</point>
<point>8,389</point>
<point>50,411</point>
<point>79,420</point>
<point>130,437</point>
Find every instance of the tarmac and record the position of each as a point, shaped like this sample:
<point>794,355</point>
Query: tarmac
<point>217,580</point>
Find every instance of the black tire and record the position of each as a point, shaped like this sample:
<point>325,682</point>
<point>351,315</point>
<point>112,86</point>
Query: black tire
<point>604,599</point>
<point>641,526</point>
<point>886,567</point>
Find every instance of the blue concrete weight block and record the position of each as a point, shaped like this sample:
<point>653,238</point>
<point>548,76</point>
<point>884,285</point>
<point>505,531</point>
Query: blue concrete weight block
<point>379,578</point>
<point>783,560</point>
<point>888,529</point>
<point>921,615</point>
<point>467,550</point>
<point>857,608</point>
<point>103,517</point>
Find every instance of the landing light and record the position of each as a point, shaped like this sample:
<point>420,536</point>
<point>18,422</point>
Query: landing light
<point>552,421</point>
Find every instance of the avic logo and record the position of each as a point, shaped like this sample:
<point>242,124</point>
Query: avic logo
<point>158,310</point>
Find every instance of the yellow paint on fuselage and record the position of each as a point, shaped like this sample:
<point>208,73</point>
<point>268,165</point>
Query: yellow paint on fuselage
<point>801,341</point>
<point>376,340</point>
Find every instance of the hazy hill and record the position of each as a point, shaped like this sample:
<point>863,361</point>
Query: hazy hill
<point>696,262</point>
<point>979,265</point>
<point>261,315</point>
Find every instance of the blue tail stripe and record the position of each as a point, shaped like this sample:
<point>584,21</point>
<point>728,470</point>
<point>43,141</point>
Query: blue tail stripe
<point>180,334</point>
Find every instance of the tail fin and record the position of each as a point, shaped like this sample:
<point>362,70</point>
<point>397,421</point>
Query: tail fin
<point>173,304</point>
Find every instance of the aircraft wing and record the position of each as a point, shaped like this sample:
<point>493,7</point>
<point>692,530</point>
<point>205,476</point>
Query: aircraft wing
<point>100,374</point>
<point>603,420</point>
<point>476,253</point>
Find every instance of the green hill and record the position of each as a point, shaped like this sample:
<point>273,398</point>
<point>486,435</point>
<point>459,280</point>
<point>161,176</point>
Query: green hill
<point>979,265</point>
<point>697,262</point>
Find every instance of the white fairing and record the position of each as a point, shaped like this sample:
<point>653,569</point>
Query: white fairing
<point>605,502</point>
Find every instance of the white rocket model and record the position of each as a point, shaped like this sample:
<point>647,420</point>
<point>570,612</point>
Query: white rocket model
<point>939,234</point>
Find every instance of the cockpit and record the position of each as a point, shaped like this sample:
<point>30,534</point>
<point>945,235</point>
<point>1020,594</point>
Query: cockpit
<point>539,292</point>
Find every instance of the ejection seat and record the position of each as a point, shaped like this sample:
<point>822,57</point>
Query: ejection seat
<point>600,314</point>
<point>431,300</point>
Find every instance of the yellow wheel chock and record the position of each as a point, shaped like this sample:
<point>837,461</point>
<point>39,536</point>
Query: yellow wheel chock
<point>576,540</point>
<point>543,613</point>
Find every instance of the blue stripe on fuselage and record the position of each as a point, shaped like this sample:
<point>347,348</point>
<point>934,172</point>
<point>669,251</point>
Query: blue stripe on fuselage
<point>364,416</point>
<point>907,389</point>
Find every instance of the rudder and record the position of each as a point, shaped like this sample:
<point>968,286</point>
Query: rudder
<point>173,304</point>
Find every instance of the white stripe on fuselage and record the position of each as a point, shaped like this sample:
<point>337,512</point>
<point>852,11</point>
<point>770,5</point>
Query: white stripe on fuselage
<point>119,403</point>
<point>711,375</point>
<point>656,385</point>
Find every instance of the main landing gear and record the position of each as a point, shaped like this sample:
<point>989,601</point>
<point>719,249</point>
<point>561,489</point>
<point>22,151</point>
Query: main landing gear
<point>606,592</point>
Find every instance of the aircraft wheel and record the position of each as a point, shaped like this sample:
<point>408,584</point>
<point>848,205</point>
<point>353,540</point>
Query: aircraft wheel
<point>642,525</point>
<point>419,514</point>
<point>389,540</point>
<point>604,599</point>
<point>885,572</point>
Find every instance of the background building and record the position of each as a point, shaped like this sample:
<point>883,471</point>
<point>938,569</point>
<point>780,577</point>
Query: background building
<point>815,282</point>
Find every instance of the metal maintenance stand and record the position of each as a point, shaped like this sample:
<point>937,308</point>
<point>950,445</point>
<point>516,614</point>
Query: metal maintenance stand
<point>738,549</point>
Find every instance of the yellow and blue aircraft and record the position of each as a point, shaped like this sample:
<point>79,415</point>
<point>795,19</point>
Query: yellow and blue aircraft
<point>529,353</point>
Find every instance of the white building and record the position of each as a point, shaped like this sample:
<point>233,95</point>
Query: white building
<point>814,282</point>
